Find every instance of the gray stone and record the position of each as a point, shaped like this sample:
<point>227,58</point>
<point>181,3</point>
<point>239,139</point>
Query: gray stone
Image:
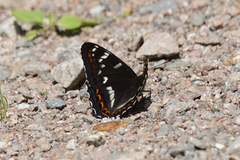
<point>181,149</point>
<point>7,28</point>
<point>56,103</point>
<point>159,64</point>
<point>164,5</point>
<point>4,74</point>
<point>69,73</point>
<point>198,20</point>
<point>211,39</point>
<point>42,145</point>
<point>68,55</point>
<point>164,130</point>
<point>145,9</point>
<point>97,10</point>
<point>176,65</point>
<point>3,145</point>
<point>88,119</point>
<point>25,92</point>
<point>121,131</point>
<point>96,140</point>
<point>197,143</point>
<point>159,45</point>
<point>23,106</point>
<point>192,92</point>
<point>234,147</point>
<point>34,68</point>
<point>71,144</point>
<point>23,43</point>
<point>134,41</point>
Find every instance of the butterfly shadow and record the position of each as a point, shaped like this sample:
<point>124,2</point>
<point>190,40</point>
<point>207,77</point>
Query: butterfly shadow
<point>139,107</point>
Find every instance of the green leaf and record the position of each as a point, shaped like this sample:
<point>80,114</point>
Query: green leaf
<point>127,12</point>
<point>69,22</point>
<point>35,17</point>
<point>51,18</point>
<point>31,35</point>
<point>91,22</point>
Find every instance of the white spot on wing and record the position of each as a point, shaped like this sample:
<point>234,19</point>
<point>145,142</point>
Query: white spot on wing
<point>96,46</point>
<point>105,79</point>
<point>117,66</point>
<point>100,60</point>
<point>102,65</point>
<point>111,95</point>
<point>94,49</point>
<point>105,55</point>
<point>99,72</point>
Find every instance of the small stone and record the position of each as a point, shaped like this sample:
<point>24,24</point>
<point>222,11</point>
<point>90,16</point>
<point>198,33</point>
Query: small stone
<point>23,106</point>
<point>211,39</point>
<point>25,92</point>
<point>72,93</point>
<point>197,143</point>
<point>134,41</point>
<point>181,149</point>
<point>56,103</point>
<point>69,73</point>
<point>71,144</point>
<point>4,74</point>
<point>3,145</point>
<point>88,119</point>
<point>42,145</point>
<point>234,147</point>
<point>68,55</point>
<point>97,10</point>
<point>198,20</point>
<point>219,146</point>
<point>164,130</point>
<point>121,131</point>
<point>159,45</point>
<point>217,23</point>
<point>22,43</point>
<point>34,68</point>
<point>96,140</point>
<point>164,5</point>
<point>7,28</point>
<point>233,11</point>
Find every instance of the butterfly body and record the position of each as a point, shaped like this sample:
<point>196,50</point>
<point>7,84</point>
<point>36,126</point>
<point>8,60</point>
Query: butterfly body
<point>113,86</point>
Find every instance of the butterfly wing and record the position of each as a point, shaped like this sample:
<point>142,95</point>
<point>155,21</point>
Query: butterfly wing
<point>112,84</point>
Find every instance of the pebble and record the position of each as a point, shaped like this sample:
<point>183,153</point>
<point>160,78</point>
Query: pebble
<point>198,20</point>
<point>234,147</point>
<point>67,55</point>
<point>197,143</point>
<point>88,119</point>
<point>181,149</point>
<point>3,145</point>
<point>97,10</point>
<point>56,103</point>
<point>71,144</point>
<point>7,28</point>
<point>4,74</point>
<point>95,140</point>
<point>69,73</point>
<point>23,106</point>
<point>34,68</point>
<point>159,45</point>
<point>164,130</point>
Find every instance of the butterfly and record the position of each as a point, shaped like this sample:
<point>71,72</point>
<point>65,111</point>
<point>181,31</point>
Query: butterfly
<point>113,86</point>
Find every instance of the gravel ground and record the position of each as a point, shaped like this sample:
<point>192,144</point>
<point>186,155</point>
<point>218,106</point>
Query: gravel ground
<point>194,111</point>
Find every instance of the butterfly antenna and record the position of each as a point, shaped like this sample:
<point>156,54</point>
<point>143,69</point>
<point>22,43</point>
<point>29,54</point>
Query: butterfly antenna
<point>145,67</point>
